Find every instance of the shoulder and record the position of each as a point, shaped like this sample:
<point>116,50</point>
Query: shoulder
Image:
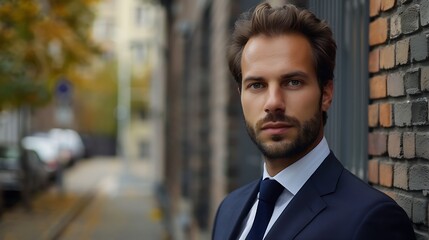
<point>237,200</point>
<point>352,190</point>
<point>232,210</point>
<point>240,194</point>
<point>332,180</point>
<point>348,181</point>
<point>378,215</point>
<point>385,220</point>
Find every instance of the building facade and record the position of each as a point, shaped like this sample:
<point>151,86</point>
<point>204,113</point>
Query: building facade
<point>205,136</point>
<point>398,139</point>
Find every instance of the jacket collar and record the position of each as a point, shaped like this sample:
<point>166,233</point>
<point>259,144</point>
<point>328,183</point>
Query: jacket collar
<point>239,214</point>
<point>308,202</point>
<point>303,208</point>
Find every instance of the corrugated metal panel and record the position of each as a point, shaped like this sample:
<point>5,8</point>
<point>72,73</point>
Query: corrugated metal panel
<point>347,127</point>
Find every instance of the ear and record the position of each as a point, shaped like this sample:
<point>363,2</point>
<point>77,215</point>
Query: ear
<point>328,93</point>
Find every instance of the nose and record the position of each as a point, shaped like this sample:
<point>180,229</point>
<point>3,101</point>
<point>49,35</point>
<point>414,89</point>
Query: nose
<point>275,101</point>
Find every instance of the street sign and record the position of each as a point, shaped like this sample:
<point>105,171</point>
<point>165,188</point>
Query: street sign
<point>63,91</point>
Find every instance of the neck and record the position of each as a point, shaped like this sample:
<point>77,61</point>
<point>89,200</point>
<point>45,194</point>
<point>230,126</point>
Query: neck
<point>274,166</point>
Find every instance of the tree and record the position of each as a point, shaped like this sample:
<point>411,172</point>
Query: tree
<point>41,42</point>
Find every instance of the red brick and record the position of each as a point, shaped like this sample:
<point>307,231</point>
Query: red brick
<point>387,57</point>
<point>373,115</point>
<point>386,115</point>
<point>377,143</point>
<point>373,171</point>
<point>378,87</point>
<point>402,51</point>
<point>386,174</point>
<point>387,4</point>
<point>394,145</point>
<point>378,31</point>
<point>374,61</point>
<point>409,145</point>
<point>374,7</point>
<point>400,175</point>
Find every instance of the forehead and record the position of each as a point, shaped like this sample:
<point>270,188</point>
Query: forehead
<point>291,50</point>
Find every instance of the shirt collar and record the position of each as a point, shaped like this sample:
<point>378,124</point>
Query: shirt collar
<point>294,176</point>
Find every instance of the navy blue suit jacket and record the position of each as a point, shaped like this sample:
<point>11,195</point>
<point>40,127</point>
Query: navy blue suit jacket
<point>332,204</point>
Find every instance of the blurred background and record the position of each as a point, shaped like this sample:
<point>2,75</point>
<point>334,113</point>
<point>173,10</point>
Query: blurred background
<point>120,119</point>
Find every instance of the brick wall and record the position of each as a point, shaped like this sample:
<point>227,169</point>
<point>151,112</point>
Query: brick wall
<point>398,107</point>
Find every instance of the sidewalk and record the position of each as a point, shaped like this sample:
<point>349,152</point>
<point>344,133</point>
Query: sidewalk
<point>101,201</point>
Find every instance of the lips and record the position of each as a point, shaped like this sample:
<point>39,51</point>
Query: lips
<point>276,127</point>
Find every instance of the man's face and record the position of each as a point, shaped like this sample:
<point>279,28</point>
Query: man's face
<point>281,99</point>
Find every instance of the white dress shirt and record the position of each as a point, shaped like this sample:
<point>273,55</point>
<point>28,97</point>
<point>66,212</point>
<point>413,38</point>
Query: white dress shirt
<point>292,178</point>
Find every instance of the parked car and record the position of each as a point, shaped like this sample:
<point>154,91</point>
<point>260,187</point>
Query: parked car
<point>69,141</point>
<point>21,170</point>
<point>47,149</point>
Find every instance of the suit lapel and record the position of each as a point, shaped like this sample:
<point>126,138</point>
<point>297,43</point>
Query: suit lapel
<point>238,214</point>
<point>308,202</point>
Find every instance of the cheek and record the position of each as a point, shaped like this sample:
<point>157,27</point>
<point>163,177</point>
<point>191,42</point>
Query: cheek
<point>244,106</point>
<point>304,106</point>
<point>250,108</point>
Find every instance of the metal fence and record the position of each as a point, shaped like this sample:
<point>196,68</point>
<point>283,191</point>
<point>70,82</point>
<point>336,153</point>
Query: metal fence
<point>347,127</point>
<point>10,123</point>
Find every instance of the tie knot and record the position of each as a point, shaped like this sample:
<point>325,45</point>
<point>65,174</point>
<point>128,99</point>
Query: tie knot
<point>270,190</point>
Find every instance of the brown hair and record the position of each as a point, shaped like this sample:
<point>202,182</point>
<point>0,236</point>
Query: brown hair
<point>273,21</point>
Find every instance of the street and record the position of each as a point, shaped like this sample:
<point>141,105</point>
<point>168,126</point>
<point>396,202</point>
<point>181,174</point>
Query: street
<point>101,198</point>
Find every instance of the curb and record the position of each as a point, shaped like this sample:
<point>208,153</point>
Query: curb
<point>57,230</point>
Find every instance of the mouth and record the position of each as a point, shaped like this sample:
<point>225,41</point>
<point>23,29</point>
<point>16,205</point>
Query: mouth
<point>276,128</point>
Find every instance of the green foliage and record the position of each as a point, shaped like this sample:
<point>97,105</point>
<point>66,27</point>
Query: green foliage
<point>97,100</point>
<point>41,41</point>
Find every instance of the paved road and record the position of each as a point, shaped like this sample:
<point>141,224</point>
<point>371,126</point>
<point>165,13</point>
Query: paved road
<point>101,200</point>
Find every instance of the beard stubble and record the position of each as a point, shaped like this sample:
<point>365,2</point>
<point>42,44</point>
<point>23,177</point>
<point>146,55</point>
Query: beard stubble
<point>308,131</point>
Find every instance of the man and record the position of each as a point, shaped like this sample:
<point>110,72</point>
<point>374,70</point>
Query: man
<point>283,60</point>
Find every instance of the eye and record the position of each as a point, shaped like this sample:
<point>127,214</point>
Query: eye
<point>294,83</point>
<point>256,85</point>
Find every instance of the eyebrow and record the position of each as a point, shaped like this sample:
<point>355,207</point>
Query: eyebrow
<point>295,74</point>
<point>284,76</point>
<point>253,78</point>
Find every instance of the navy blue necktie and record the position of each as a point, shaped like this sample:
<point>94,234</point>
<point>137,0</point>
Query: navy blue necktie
<point>269,191</point>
